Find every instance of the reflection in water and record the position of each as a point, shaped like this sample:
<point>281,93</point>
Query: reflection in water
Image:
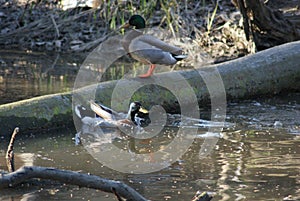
<point>24,75</point>
<point>249,163</point>
<point>256,160</point>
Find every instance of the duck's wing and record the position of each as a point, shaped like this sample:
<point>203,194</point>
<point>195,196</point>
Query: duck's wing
<point>147,41</point>
<point>151,50</point>
<point>104,112</point>
<point>128,38</point>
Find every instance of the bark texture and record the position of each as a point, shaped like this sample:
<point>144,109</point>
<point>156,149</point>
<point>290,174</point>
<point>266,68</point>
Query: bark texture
<point>266,26</point>
<point>75,178</point>
<point>268,72</point>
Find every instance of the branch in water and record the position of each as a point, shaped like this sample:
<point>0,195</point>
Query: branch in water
<point>10,152</point>
<point>69,177</point>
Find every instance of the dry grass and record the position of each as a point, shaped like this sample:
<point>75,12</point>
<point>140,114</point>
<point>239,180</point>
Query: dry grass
<point>205,29</point>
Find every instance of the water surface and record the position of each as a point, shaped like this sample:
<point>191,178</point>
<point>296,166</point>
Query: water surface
<point>255,160</point>
<point>29,74</point>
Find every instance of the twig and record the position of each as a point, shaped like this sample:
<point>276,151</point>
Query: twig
<point>69,177</point>
<point>10,152</point>
<point>52,66</point>
<point>39,26</point>
<point>55,25</point>
<point>91,44</point>
<point>116,194</point>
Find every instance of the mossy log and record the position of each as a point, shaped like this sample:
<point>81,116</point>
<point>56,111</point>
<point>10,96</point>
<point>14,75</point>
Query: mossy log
<point>268,72</point>
<point>49,111</point>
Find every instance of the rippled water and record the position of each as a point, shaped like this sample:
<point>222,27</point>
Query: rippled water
<point>257,159</point>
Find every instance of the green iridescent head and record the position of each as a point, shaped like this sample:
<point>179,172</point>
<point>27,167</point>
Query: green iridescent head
<point>137,21</point>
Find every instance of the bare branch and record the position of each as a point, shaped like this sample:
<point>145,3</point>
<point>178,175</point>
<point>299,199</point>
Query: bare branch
<point>69,177</point>
<point>10,151</point>
<point>55,25</point>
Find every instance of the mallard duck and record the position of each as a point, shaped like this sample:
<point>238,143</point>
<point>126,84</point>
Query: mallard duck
<point>107,119</point>
<point>148,49</point>
<point>97,120</point>
<point>136,115</point>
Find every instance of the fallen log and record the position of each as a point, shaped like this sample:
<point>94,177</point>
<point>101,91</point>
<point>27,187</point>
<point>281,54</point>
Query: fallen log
<point>268,72</point>
<point>50,111</point>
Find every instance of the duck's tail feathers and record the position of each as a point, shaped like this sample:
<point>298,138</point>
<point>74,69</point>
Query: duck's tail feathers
<point>101,111</point>
<point>180,57</point>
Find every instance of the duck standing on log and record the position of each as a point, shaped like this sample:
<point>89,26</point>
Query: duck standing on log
<point>148,49</point>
